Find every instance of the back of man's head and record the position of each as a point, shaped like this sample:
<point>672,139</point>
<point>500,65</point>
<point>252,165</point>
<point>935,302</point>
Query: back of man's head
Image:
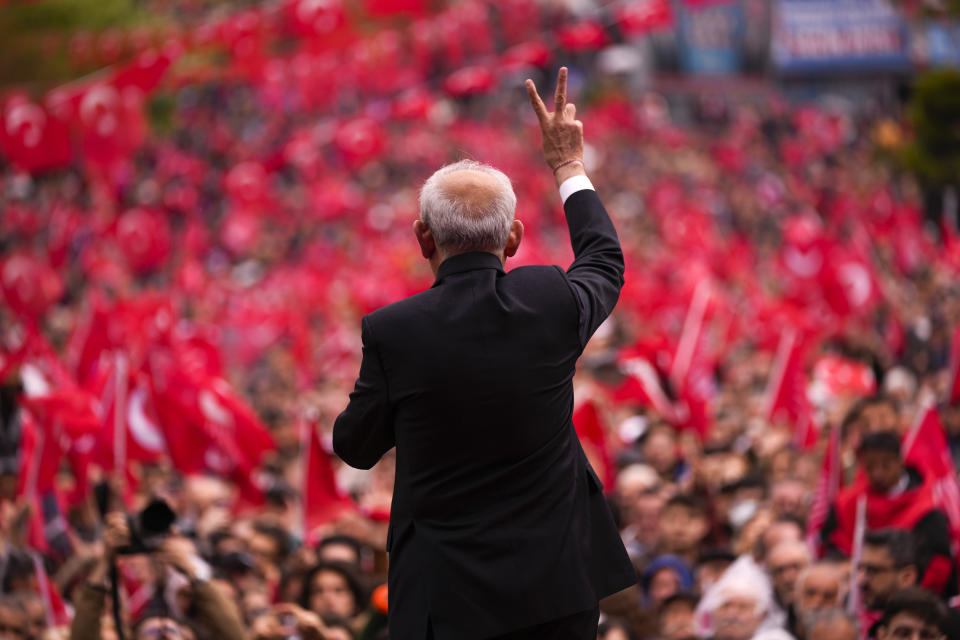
<point>468,206</point>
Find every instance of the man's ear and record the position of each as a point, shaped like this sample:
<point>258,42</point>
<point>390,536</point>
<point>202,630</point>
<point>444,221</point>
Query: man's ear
<point>513,240</point>
<point>428,245</point>
<point>907,576</point>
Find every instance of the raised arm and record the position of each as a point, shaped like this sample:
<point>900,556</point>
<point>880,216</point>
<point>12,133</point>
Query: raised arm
<point>596,275</point>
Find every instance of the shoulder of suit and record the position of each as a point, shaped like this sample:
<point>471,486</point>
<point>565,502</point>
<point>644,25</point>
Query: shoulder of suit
<point>405,305</point>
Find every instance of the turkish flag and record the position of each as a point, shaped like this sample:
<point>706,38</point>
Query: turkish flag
<point>145,72</point>
<point>534,53</point>
<point>130,430</point>
<point>111,122</point>
<point>787,390</point>
<point>33,138</point>
<point>29,285</point>
<point>643,16</point>
<point>359,141</point>
<point>470,81</point>
<point>925,447</point>
<point>322,500</point>
<point>315,19</point>
<point>586,35</point>
<point>143,236</point>
<point>691,371</point>
<point>246,183</point>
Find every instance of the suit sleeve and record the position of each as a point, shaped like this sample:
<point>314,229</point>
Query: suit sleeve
<point>364,431</point>
<point>596,275</point>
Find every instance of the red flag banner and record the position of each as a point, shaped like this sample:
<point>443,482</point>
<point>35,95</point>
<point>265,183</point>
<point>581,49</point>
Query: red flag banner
<point>787,390</point>
<point>321,499</point>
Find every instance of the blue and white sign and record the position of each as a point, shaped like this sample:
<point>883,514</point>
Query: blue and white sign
<point>811,36</point>
<point>710,37</point>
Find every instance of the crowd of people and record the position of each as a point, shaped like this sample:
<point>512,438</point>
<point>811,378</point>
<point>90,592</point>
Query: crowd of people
<point>258,229</point>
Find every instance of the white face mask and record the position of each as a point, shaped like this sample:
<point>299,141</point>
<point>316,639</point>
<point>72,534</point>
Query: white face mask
<point>741,512</point>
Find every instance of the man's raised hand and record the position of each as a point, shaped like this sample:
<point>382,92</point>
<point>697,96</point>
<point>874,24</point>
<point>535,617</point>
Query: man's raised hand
<point>562,132</point>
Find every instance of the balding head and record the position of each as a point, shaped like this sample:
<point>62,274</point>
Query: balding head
<point>467,206</point>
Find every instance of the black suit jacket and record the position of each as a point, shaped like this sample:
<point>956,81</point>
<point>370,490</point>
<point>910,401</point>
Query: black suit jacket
<point>498,522</point>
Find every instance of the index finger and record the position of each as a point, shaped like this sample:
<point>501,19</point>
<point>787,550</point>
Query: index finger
<point>538,107</point>
<point>561,95</point>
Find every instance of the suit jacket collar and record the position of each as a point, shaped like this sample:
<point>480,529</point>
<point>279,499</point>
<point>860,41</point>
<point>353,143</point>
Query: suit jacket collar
<point>467,262</point>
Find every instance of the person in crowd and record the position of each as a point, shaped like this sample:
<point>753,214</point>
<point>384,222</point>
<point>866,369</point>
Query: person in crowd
<point>830,624</point>
<point>667,575</point>
<point>675,617</point>
<point>910,613</point>
<point>739,605</point>
<point>818,588</point>
<point>790,498</point>
<point>896,496</point>
<point>660,449</point>
<point>784,563</point>
<point>13,618</point>
<point>711,564</point>
<point>683,527</point>
<point>888,563</point>
<point>209,609</point>
<point>640,500</point>
<point>340,548</point>
<point>333,591</point>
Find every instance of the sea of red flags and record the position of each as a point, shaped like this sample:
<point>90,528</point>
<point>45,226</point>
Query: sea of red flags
<point>143,373</point>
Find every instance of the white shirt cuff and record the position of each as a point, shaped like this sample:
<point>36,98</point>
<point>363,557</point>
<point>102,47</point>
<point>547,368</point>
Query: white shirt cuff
<point>571,185</point>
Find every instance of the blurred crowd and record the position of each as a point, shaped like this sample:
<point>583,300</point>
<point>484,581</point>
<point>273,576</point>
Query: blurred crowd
<point>263,228</point>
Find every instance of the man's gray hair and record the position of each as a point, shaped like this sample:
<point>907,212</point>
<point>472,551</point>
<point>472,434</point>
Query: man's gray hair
<point>464,226</point>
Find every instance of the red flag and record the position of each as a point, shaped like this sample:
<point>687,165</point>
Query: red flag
<point>692,370</point>
<point>321,499</point>
<point>588,424</point>
<point>470,81</point>
<point>642,385</point>
<point>111,123</point>
<point>143,237</point>
<point>828,484</point>
<point>315,19</point>
<point>953,389</point>
<point>643,16</point>
<point>787,390</point>
<point>582,36</point>
<point>130,431</point>
<point>384,8</point>
<point>925,447</point>
<point>145,72</point>
<point>360,140</point>
<point>32,137</point>
<point>534,53</point>
<point>57,613</point>
<point>29,285</point>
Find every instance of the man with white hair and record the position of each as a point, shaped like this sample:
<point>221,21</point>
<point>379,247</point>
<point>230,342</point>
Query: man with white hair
<point>740,606</point>
<point>498,527</point>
